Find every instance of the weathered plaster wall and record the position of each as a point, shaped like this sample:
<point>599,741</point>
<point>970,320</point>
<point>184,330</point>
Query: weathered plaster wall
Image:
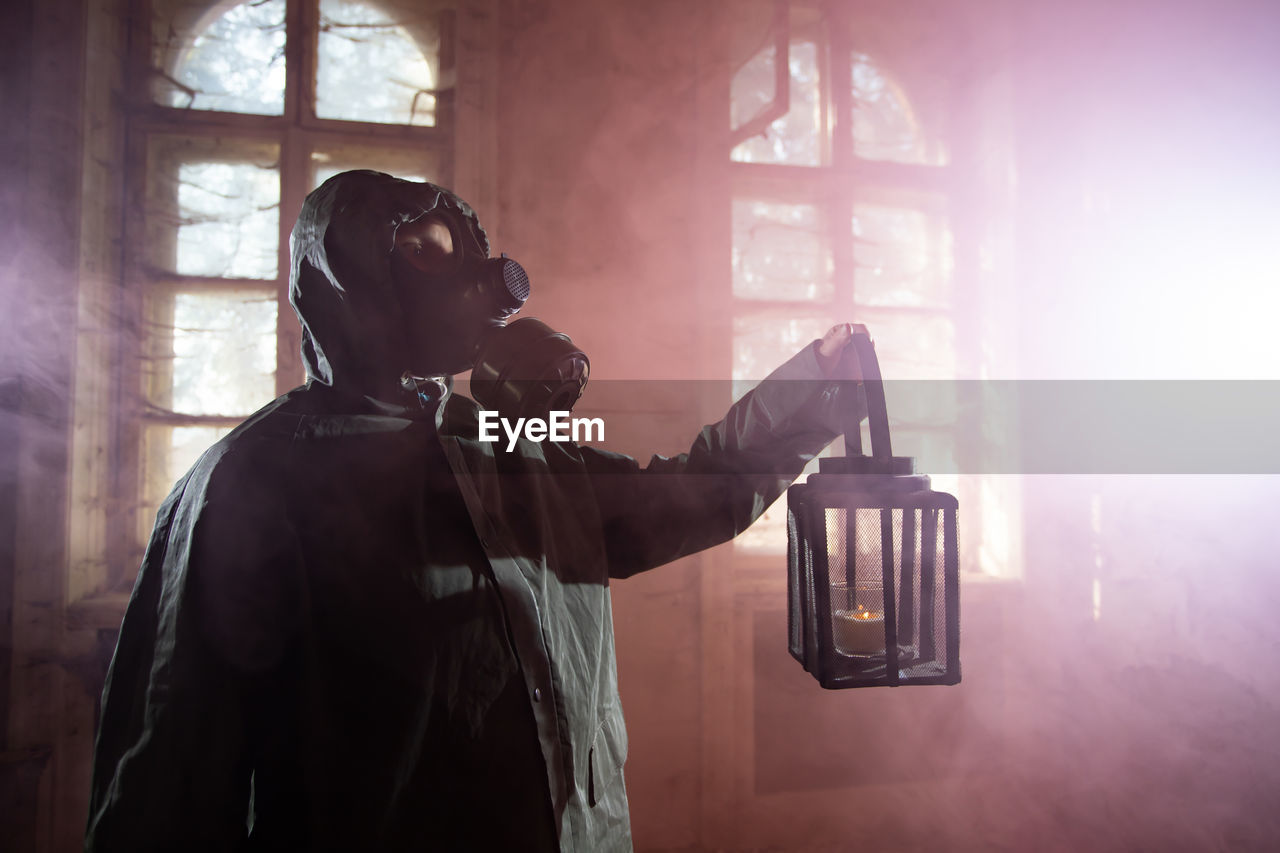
<point>40,151</point>
<point>1151,727</point>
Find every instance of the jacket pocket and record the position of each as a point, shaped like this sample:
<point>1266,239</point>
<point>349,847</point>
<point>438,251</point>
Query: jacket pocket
<point>608,754</point>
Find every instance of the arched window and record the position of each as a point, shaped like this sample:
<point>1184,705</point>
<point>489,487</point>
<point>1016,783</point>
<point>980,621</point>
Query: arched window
<point>231,59</point>
<point>842,192</point>
<point>373,69</point>
<point>240,109</point>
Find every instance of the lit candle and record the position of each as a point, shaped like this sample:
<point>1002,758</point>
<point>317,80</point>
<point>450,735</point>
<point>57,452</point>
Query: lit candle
<point>859,632</point>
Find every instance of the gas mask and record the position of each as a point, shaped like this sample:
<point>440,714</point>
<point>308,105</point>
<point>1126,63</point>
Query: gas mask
<point>459,300</point>
<point>527,369</point>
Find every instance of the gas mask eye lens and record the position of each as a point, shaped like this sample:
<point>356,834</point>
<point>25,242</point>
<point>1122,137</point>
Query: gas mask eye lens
<point>428,245</point>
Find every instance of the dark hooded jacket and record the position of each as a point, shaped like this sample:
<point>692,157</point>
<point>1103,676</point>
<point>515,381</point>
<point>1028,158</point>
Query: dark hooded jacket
<point>358,627</point>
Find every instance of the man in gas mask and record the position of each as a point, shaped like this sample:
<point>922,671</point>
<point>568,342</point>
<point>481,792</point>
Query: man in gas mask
<point>358,627</point>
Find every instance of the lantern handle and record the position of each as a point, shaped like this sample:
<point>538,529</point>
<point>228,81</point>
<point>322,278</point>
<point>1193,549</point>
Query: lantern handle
<point>877,412</point>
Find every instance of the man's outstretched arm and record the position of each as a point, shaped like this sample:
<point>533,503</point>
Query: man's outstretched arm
<point>735,469</point>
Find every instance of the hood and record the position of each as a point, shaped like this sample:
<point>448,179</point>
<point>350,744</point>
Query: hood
<point>354,332</point>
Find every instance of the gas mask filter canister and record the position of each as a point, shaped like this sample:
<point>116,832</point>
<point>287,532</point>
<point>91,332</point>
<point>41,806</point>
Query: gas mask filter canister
<point>527,369</point>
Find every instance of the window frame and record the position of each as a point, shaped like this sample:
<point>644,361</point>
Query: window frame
<point>836,186</point>
<point>736,589</point>
<point>298,135</point>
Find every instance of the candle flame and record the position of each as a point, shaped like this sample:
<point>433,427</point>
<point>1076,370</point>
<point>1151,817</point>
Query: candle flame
<point>861,614</point>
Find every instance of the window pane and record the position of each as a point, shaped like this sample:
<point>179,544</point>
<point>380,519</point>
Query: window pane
<point>215,207</point>
<point>934,451</point>
<point>224,352</point>
<point>373,67</point>
<point>780,251</point>
<point>902,258</point>
<point>230,220</point>
<point>753,87</point>
<point>999,536</point>
<point>169,452</point>
<point>796,138</point>
<point>225,59</point>
<point>416,165</point>
<point>912,345</point>
<point>885,126</point>
<point>762,340</point>
<point>324,173</point>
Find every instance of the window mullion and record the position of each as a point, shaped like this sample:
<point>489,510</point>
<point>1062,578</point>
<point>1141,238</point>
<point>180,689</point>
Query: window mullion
<point>156,118</point>
<point>840,210</point>
<point>156,415</point>
<point>126,432</point>
<point>295,153</point>
<point>299,66</point>
<point>294,178</point>
<point>201,283</point>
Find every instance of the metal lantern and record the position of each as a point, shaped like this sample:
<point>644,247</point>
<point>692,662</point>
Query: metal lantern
<point>873,585</point>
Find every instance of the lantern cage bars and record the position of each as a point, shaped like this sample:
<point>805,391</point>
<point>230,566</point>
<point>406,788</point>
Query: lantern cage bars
<point>873,579</point>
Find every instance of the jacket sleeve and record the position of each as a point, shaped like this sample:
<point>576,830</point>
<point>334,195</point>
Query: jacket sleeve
<point>173,756</point>
<point>676,506</point>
